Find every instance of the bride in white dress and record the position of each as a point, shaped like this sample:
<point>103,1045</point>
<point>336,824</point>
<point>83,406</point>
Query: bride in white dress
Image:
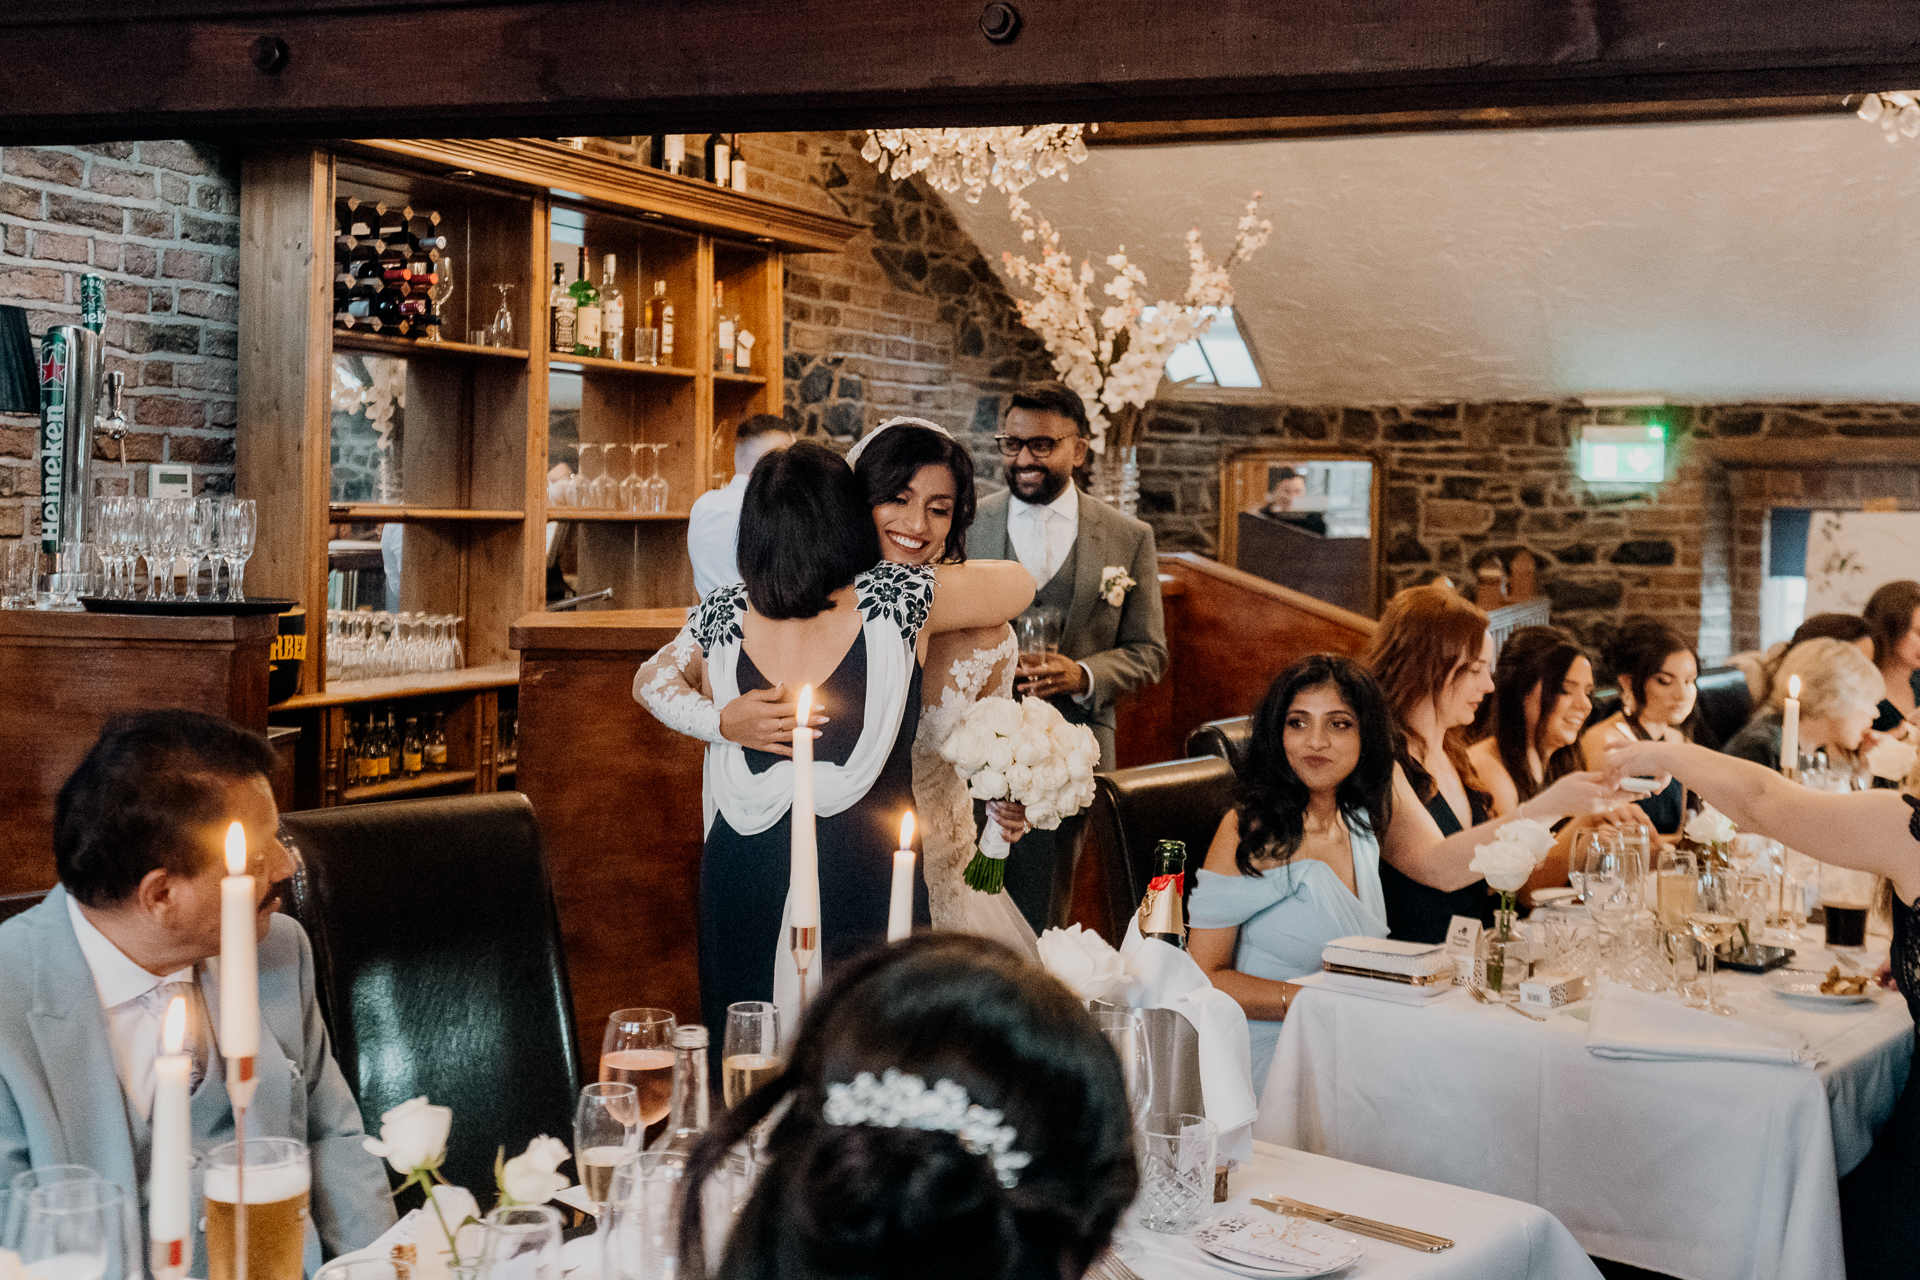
<point>920,483</point>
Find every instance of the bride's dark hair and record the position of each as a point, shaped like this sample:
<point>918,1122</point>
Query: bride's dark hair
<point>892,457</point>
<point>864,1201</point>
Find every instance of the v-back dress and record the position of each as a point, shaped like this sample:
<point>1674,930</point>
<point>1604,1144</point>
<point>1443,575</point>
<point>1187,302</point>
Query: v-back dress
<point>872,700</point>
<point>1879,1221</point>
<point>1417,912</point>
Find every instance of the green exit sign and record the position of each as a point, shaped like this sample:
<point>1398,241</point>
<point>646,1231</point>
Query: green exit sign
<point>1624,455</point>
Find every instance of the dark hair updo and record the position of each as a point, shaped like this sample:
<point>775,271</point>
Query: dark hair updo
<point>1639,652</point>
<point>861,1200</point>
<point>889,463</point>
<point>1532,657</point>
<point>1272,801</point>
<point>805,531</point>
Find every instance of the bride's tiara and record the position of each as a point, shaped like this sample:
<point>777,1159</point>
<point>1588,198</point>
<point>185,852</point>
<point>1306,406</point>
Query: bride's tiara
<point>860,446</point>
<point>897,1101</point>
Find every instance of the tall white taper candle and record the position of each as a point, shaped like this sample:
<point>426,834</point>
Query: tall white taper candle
<point>1790,729</point>
<point>900,905</point>
<point>239,970</point>
<point>169,1225</point>
<point>804,885</point>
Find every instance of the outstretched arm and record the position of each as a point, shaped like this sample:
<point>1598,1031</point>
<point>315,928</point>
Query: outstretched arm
<point>1415,846</point>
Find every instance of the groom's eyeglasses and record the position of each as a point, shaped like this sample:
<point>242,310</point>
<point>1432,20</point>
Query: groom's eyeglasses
<point>1041,447</point>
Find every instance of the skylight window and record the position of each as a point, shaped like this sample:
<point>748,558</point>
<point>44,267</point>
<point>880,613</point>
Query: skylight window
<point>1218,358</point>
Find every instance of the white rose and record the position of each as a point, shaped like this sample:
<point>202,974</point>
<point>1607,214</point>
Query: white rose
<point>1064,740</point>
<point>1709,826</point>
<point>530,1177</point>
<point>1117,596</point>
<point>1019,781</point>
<point>1043,815</point>
<point>1510,857</point>
<point>1000,753</point>
<point>988,784</point>
<point>1082,961</point>
<point>1001,715</point>
<point>1051,774</point>
<point>1891,758</point>
<point>1039,713</point>
<point>1080,765</point>
<point>413,1136</point>
<point>970,748</point>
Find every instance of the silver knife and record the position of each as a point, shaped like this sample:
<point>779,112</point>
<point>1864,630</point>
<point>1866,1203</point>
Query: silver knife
<point>1405,1236</point>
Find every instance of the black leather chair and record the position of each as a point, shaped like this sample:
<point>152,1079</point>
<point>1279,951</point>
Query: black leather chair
<point>1726,704</point>
<point>1134,809</point>
<point>12,904</point>
<point>1228,739</point>
<point>440,968</point>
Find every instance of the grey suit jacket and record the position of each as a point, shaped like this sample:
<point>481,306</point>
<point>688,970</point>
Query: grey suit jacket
<point>61,1100</point>
<point>1123,647</point>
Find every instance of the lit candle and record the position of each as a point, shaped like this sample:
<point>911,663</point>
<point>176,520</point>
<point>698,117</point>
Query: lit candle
<point>900,907</point>
<point>803,889</point>
<point>168,1223</point>
<point>239,971</point>
<point>1790,729</point>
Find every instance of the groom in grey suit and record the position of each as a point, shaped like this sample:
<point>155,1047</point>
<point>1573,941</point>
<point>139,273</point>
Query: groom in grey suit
<point>1097,569</point>
<point>139,833</point>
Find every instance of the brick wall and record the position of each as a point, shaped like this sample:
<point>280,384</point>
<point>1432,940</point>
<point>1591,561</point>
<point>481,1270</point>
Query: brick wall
<point>160,222</point>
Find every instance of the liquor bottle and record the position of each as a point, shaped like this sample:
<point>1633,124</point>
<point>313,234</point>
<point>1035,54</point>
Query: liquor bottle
<point>350,754</point>
<point>560,305</point>
<point>687,1117</point>
<point>659,318</point>
<point>437,743</point>
<point>719,158</point>
<point>724,322</point>
<point>373,757</point>
<point>738,179</point>
<point>613,313</point>
<point>395,744</point>
<point>657,151</point>
<point>412,749</point>
<point>1162,910</point>
<point>586,315</point>
<point>675,152</point>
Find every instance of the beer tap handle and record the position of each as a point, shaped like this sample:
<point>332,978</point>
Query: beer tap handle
<point>116,416</point>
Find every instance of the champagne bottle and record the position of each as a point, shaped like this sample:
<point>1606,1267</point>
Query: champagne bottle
<point>1163,910</point>
<point>659,318</point>
<point>586,314</point>
<point>560,306</point>
<point>613,313</point>
<point>687,1117</point>
<point>437,743</point>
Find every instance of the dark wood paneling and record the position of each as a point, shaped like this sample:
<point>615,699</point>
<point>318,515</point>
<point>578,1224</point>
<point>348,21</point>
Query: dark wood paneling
<point>517,67</point>
<point>66,674</point>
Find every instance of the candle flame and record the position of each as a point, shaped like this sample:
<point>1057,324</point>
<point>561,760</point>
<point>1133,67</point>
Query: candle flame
<point>906,831</point>
<point>175,1036</point>
<point>805,711</point>
<point>1793,686</point>
<point>236,850</point>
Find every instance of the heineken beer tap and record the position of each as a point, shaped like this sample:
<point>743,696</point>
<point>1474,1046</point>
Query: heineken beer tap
<point>71,371</point>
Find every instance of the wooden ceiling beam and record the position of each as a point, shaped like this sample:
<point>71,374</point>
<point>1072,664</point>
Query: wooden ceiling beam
<point>107,69</point>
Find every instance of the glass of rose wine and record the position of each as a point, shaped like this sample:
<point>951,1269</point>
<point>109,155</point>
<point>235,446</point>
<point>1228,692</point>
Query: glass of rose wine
<point>638,1050</point>
<point>606,1128</point>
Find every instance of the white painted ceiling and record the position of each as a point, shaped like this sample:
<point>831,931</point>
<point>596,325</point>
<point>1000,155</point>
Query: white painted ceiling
<point>1753,260</point>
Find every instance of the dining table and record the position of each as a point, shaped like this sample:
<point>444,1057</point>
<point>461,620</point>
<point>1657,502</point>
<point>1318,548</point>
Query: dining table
<point>1494,1238</point>
<point>1702,1168</point>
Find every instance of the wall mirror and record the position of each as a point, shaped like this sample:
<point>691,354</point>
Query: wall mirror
<point>1308,519</point>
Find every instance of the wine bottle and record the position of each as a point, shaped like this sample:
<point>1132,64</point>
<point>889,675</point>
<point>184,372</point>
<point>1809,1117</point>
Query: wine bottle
<point>613,312</point>
<point>560,306</point>
<point>738,178</point>
<point>719,158</point>
<point>396,762</point>
<point>659,318</point>
<point>687,1117</point>
<point>723,323</point>
<point>1163,909</point>
<point>676,153</point>
<point>586,316</point>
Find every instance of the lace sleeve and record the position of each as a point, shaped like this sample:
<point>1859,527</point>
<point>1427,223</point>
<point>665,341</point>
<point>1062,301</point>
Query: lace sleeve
<point>668,685</point>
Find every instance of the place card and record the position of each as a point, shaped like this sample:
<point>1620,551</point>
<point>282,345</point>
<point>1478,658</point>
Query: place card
<point>1463,937</point>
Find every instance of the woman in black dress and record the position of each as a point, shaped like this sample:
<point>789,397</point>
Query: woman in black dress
<point>1876,831</point>
<point>1891,613</point>
<point>1657,673</point>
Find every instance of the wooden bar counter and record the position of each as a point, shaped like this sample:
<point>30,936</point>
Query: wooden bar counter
<point>62,675</point>
<point>617,795</point>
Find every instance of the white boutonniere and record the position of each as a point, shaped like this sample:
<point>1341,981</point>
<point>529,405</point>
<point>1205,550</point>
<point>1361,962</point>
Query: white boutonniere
<point>1115,582</point>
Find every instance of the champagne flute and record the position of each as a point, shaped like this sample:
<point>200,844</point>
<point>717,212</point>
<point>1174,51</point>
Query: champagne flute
<point>1713,922</point>
<point>750,1054</point>
<point>439,293</point>
<point>654,494</point>
<point>637,1049</point>
<point>239,523</point>
<point>606,1130</point>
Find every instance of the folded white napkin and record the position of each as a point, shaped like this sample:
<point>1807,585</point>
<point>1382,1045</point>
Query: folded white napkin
<point>1636,1024</point>
<point>1168,978</point>
<point>1375,988</point>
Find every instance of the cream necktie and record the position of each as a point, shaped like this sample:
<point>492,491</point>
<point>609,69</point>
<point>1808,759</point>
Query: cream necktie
<point>1040,565</point>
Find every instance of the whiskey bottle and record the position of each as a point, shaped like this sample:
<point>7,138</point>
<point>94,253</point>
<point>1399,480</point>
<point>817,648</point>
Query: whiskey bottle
<point>1163,910</point>
<point>659,318</point>
<point>560,305</point>
<point>586,313</point>
<point>613,313</point>
<point>437,743</point>
<point>412,749</point>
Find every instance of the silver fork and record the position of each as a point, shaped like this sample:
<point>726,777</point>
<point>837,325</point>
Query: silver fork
<point>1474,991</point>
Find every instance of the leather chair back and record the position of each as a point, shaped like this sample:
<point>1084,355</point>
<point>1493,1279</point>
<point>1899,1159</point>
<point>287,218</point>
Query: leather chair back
<point>1228,739</point>
<point>1134,809</point>
<point>439,963</point>
<point>12,904</point>
<point>1726,704</point>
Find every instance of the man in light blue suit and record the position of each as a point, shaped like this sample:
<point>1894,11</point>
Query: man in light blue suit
<point>139,833</point>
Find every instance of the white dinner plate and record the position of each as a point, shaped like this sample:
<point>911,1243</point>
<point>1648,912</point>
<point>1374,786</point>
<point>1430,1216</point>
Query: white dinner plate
<point>1348,1250</point>
<point>1804,984</point>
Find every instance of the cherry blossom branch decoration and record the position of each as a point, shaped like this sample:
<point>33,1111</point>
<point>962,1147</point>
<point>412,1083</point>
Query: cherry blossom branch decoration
<point>1115,362</point>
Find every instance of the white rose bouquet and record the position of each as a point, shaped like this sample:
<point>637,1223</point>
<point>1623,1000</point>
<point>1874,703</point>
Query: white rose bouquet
<point>1083,962</point>
<point>1025,752</point>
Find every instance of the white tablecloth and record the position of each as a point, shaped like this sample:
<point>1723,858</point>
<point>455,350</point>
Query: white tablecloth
<point>1494,1238</point>
<point>1702,1170</point>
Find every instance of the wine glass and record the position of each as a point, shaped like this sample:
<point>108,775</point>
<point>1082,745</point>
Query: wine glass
<point>1713,921</point>
<point>654,498</point>
<point>13,1208</point>
<point>1613,891</point>
<point>606,487</point>
<point>606,1134</point>
<point>1126,1031</point>
<point>170,534</point>
<point>203,520</point>
<point>239,525</point>
<point>522,1243</point>
<point>503,319</point>
<point>439,293</point>
<point>637,1049</point>
<point>582,482</point>
<point>74,1230</point>
<point>633,488</point>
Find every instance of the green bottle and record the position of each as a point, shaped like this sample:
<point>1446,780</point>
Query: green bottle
<point>586,313</point>
<point>1163,910</point>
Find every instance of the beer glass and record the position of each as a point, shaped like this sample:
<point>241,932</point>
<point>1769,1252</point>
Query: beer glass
<point>75,1230</point>
<point>276,1185</point>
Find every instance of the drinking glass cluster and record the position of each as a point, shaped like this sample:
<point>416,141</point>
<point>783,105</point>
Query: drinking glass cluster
<point>364,645</point>
<point>157,532</point>
<point>605,481</point>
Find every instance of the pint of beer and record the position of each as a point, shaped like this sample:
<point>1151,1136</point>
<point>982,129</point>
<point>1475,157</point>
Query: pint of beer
<point>276,1186</point>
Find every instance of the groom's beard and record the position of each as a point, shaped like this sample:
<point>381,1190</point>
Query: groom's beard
<point>1036,485</point>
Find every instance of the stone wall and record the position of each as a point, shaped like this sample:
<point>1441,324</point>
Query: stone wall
<point>160,222</point>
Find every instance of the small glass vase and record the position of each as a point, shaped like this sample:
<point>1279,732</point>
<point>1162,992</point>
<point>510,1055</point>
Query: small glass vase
<point>1499,962</point>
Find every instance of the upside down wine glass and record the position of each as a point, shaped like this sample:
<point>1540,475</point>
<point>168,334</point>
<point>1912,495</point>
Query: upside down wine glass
<point>654,497</point>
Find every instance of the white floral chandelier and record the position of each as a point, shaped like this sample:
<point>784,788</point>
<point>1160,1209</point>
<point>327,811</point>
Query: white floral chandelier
<point>1896,111</point>
<point>1007,159</point>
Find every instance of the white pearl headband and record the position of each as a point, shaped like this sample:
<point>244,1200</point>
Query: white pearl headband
<point>860,446</point>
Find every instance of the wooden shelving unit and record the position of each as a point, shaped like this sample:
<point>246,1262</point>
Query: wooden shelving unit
<point>464,474</point>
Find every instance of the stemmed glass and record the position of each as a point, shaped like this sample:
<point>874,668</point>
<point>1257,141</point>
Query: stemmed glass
<point>503,319</point>
<point>203,523</point>
<point>1613,888</point>
<point>606,1134</point>
<point>637,1049</point>
<point>522,1243</point>
<point>632,489</point>
<point>582,483</point>
<point>239,523</point>
<point>1713,922</point>
<point>749,1057</point>
<point>606,489</point>
<point>74,1230</point>
<point>142,543</point>
<point>13,1209</point>
<point>654,498</point>
<point>439,294</point>
<point>169,532</point>
<point>641,1238</point>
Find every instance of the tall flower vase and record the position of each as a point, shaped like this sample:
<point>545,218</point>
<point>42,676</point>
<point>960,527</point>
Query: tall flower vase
<point>1116,479</point>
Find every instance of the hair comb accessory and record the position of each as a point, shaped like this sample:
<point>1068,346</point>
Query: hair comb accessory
<point>897,1101</point>
<point>860,446</point>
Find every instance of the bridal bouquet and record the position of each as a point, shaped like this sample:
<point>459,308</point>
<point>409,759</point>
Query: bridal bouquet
<point>1025,752</point>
